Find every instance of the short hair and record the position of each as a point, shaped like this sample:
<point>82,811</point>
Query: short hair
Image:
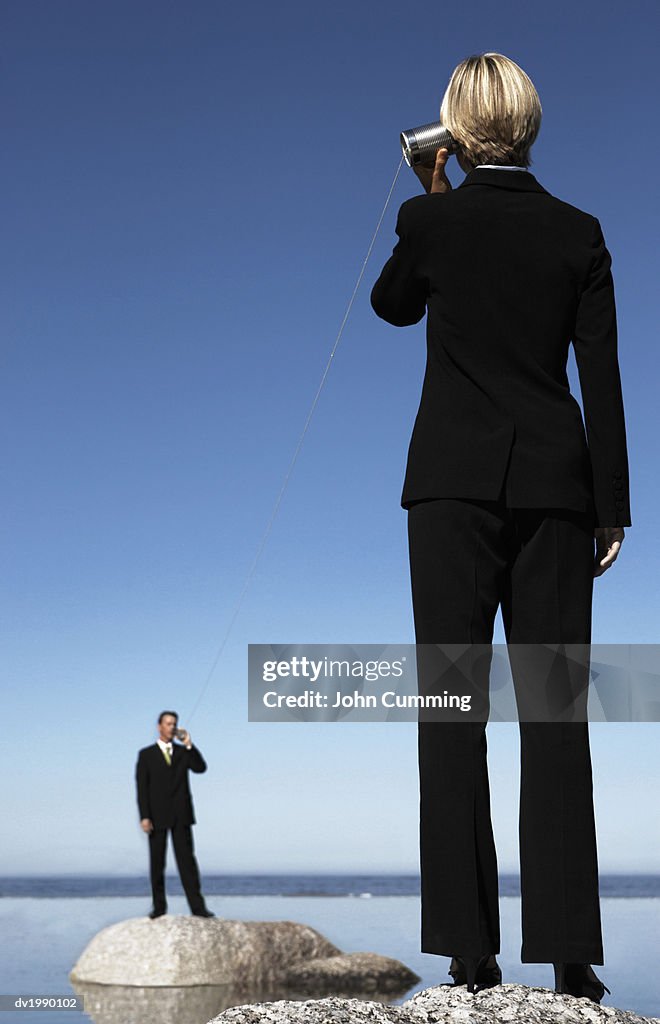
<point>163,713</point>
<point>492,110</point>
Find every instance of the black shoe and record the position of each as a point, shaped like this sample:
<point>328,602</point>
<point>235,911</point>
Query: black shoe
<point>203,913</point>
<point>157,913</point>
<point>579,980</point>
<point>484,971</point>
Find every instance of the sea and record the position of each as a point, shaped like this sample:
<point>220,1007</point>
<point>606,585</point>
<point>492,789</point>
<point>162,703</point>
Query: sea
<point>46,922</point>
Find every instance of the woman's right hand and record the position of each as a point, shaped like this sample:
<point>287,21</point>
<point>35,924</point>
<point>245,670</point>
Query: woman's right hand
<point>608,544</point>
<point>434,179</point>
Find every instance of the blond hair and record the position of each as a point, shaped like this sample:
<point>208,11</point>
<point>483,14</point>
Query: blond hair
<point>492,110</point>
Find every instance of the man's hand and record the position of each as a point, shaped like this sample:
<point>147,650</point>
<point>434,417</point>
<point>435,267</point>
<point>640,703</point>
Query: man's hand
<point>147,825</point>
<point>434,178</point>
<point>185,738</point>
<point>608,543</point>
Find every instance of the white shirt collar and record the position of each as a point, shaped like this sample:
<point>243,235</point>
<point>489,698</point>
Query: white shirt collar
<point>502,167</point>
<point>165,746</point>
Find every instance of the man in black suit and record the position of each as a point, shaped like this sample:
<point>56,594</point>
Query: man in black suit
<point>165,803</point>
<point>505,493</point>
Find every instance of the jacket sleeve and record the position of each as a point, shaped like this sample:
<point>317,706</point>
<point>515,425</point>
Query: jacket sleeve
<point>142,781</point>
<point>595,346</point>
<point>399,295</point>
<point>196,762</point>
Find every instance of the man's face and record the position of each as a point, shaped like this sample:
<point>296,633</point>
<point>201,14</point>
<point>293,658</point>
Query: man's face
<point>167,728</point>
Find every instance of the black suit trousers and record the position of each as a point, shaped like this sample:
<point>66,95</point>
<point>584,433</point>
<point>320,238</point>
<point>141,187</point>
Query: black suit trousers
<point>468,557</point>
<point>182,840</point>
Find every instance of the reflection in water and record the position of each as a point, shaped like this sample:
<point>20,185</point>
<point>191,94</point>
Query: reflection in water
<point>194,1004</point>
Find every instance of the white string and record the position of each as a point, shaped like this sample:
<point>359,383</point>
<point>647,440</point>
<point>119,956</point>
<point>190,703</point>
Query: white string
<point>293,460</point>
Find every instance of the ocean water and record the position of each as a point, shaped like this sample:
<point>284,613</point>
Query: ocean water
<point>45,924</point>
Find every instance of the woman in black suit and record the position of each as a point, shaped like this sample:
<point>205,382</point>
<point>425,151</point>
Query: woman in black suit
<point>505,492</point>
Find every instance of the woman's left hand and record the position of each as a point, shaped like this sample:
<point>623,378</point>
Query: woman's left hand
<point>434,179</point>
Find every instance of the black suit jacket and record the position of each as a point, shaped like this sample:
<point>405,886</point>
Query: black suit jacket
<point>510,275</point>
<point>163,792</point>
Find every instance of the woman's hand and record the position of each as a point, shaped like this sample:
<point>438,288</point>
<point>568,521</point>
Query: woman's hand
<point>608,544</point>
<point>434,178</point>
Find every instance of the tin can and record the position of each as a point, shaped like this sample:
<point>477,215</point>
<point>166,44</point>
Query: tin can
<point>420,145</point>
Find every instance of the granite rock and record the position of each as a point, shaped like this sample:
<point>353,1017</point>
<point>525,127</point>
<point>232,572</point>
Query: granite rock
<point>363,972</point>
<point>177,950</point>
<point>282,956</point>
<point>441,1004</point>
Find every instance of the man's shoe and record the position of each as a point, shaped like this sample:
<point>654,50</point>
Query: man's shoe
<point>579,980</point>
<point>484,972</point>
<point>157,913</point>
<point>203,913</point>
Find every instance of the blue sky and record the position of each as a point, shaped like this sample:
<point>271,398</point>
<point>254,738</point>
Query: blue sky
<point>189,193</point>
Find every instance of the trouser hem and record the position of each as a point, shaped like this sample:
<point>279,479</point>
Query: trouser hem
<point>430,947</point>
<point>550,957</point>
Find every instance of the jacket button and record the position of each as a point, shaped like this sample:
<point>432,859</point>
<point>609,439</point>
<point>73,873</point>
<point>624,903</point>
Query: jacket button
<point>618,487</point>
<point>617,474</point>
<point>619,504</point>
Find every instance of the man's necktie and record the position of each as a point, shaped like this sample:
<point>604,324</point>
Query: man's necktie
<point>167,756</point>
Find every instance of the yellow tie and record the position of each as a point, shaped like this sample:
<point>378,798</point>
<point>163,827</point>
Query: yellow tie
<point>167,757</point>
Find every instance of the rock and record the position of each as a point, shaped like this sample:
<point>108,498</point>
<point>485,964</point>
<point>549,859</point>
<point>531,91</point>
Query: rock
<point>278,957</point>
<point>331,1010</point>
<point>179,950</point>
<point>353,972</point>
<point>442,1004</point>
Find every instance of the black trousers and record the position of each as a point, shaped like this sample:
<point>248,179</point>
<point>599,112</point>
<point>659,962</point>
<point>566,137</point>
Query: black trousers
<point>466,559</point>
<point>182,840</point>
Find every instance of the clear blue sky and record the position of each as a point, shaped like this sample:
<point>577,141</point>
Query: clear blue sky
<point>188,194</point>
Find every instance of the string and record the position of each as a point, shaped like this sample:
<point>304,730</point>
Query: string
<point>294,458</point>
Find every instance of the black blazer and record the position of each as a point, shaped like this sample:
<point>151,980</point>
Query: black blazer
<point>510,275</point>
<point>163,792</point>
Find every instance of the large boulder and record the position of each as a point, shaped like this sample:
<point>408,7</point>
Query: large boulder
<point>186,950</point>
<point>177,951</point>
